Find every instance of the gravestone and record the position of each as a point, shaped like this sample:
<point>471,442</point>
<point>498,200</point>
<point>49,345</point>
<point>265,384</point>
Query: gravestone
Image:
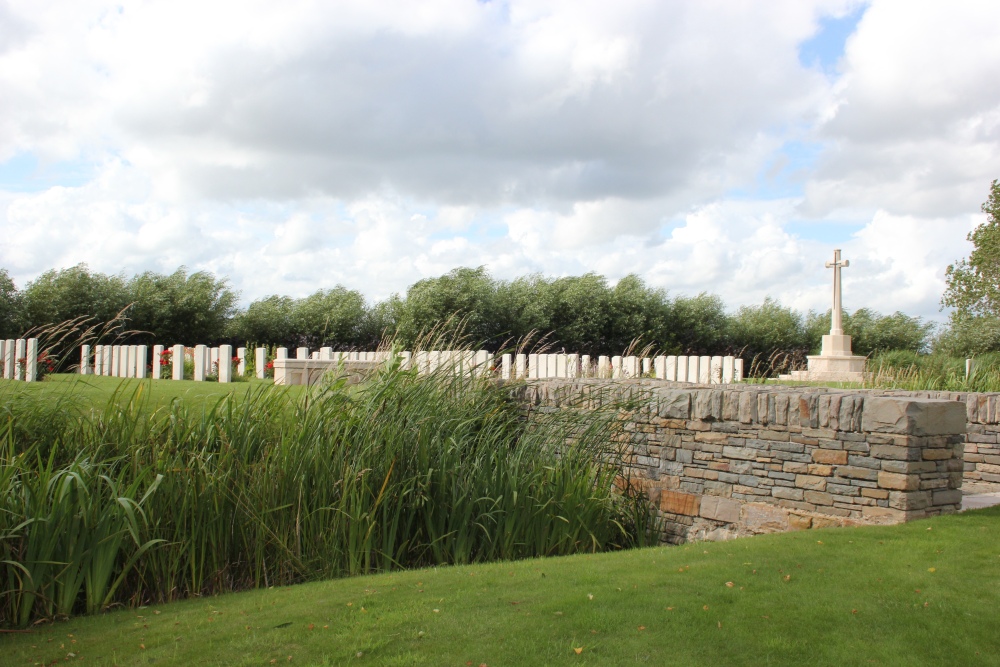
<point>200,359</point>
<point>178,362</point>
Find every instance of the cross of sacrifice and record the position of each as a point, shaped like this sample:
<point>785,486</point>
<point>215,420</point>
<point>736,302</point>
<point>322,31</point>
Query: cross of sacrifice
<point>836,325</point>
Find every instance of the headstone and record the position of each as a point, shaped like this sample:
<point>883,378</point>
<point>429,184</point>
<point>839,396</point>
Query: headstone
<point>200,358</point>
<point>705,370</point>
<point>422,361</point>
<point>177,359</point>
<point>585,370</point>
<point>561,369</point>
<point>241,364</point>
<point>260,362</point>
<point>214,362</point>
<point>156,362</point>
<point>482,362</point>
<point>140,362</point>
<point>572,365</point>
<point>116,360</point>
<point>738,370</point>
<point>208,360</point>
<point>630,366</point>
<point>505,367</point>
<point>682,368</point>
<point>728,369</point>
<point>107,360</point>
<point>281,353</point>
<point>433,361</point>
<point>31,360</point>
<point>603,367</point>
<point>225,363</point>
<point>18,359</point>
<point>9,360</point>
<point>520,366</point>
<point>694,370</point>
<point>646,366</point>
<point>326,353</point>
<point>660,367</point>
<point>3,356</point>
<point>406,358</point>
<point>532,366</point>
<point>616,368</point>
<point>716,370</point>
<point>130,359</point>
<point>84,359</point>
<point>671,368</point>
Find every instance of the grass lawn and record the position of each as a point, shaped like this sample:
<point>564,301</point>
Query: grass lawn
<point>97,390</point>
<point>925,593</point>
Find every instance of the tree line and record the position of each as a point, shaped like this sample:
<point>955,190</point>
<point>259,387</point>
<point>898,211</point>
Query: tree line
<point>584,314</point>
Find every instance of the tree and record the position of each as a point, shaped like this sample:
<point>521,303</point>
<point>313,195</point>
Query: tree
<point>181,308</point>
<point>332,316</point>
<point>64,294</point>
<point>767,328</point>
<point>973,284</point>
<point>10,307</point>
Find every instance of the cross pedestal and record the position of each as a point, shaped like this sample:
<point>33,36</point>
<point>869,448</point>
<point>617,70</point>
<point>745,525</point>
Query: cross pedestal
<point>836,362</point>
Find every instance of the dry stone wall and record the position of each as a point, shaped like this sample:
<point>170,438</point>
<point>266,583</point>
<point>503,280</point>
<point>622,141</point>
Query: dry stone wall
<point>723,462</point>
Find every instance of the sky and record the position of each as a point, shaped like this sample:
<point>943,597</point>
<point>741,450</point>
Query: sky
<point>714,146</point>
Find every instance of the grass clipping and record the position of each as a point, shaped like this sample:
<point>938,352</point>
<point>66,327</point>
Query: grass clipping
<point>129,505</point>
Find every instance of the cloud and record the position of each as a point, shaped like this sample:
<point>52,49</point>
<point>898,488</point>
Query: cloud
<point>293,147</point>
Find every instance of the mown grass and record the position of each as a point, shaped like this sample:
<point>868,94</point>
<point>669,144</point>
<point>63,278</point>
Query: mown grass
<point>145,499</point>
<point>923,593</point>
<point>95,391</point>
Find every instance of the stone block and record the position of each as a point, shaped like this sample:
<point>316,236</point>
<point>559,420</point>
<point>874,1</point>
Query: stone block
<point>799,522</point>
<point>811,482</point>
<point>817,469</point>
<point>761,518</point>
<point>895,452</point>
<point>855,472</point>
<point>898,482</point>
<point>676,502</point>
<point>675,404</point>
<point>720,509</point>
<point>830,456</point>
<point>818,498</point>
<point>947,497</point>
<point>878,494</point>
<point>936,454</point>
<point>744,453</point>
<point>912,416</point>
<point>786,493</point>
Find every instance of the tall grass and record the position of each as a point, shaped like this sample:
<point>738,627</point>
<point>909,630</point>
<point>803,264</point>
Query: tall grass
<point>932,372</point>
<point>127,505</point>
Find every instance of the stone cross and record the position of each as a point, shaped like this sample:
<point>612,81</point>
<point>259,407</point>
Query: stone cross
<point>836,325</point>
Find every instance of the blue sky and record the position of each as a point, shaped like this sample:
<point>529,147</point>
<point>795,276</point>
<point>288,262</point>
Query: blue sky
<point>725,149</point>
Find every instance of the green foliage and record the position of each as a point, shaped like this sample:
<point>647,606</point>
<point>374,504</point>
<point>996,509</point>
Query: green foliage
<point>765,328</point>
<point>129,504</point>
<point>465,296</point>
<point>181,308</point>
<point>10,307</point>
<point>969,335</point>
<point>60,295</point>
<point>973,284</point>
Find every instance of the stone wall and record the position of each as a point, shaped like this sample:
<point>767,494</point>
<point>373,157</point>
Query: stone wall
<point>718,463</point>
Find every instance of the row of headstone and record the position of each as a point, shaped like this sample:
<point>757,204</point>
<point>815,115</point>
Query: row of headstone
<point>19,358</point>
<point>129,361</point>
<point>702,370</point>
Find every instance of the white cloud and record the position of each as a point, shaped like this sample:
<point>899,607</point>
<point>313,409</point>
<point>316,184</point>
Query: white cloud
<point>297,146</point>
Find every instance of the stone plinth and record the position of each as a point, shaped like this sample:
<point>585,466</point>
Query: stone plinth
<point>312,371</point>
<point>835,363</point>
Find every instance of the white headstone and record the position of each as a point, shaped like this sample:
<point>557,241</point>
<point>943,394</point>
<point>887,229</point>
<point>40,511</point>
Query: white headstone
<point>214,362</point>
<point>200,358</point>
<point>603,367</point>
<point>660,367</point>
<point>241,354</point>
<point>671,368</point>
<point>8,359</point>
<point>260,362</point>
<point>84,359</point>
<point>630,366</point>
<point>505,366</point>
<point>738,370</point>
<point>694,369</point>
<point>140,362</point>
<point>326,353</point>
<point>561,370</point>
<point>31,360</point>
<point>225,363</point>
<point>520,366</point>
<point>177,362</point>
<point>585,370</point>
<point>433,361</point>
<point>616,368</point>
<point>716,370</point>
<point>728,369</point>
<point>572,365</point>
<point>130,361</point>
<point>532,366</point>
<point>116,359</point>
<point>482,362</point>
<point>705,369</point>
<point>405,359</point>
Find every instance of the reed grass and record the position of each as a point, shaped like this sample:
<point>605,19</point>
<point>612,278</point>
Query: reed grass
<point>131,504</point>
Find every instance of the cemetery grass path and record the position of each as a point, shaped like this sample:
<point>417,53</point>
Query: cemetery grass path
<point>924,593</point>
